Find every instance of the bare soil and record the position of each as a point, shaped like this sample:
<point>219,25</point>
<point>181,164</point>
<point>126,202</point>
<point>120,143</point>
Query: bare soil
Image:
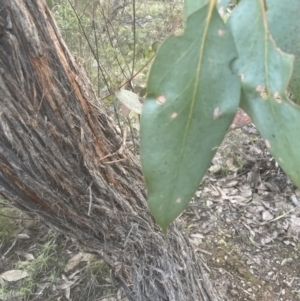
<point>245,222</point>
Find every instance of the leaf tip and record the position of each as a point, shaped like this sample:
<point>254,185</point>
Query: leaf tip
<point>164,229</point>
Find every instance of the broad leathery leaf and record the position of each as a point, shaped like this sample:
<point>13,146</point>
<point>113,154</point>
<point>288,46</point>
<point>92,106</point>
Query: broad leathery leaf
<point>265,71</point>
<point>191,6</point>
<point>284,25</point>
<point>192,99</point>
<point>130,100</point>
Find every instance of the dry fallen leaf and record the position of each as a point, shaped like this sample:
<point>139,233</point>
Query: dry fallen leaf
<point>130,100</point>
<point>294,229</point>
<point>14,275</point>
<point>67,283</point>
<point>267,216</point>
<point>23,236</point>
<point>27,256</point>
<point>75,260</point>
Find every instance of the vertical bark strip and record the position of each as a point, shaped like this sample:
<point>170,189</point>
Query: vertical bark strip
<point>57,153</point>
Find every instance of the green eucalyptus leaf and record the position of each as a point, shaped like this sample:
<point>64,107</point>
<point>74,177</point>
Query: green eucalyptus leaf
<point>265,72</point>
<point>191,6</point>
<point>191,101</point>
<point>284,25</point>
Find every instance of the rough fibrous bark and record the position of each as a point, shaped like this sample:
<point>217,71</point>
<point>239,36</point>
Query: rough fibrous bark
<point>59,159</point>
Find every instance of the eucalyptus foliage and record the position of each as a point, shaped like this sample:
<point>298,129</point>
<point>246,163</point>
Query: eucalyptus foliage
<point>196,84</point>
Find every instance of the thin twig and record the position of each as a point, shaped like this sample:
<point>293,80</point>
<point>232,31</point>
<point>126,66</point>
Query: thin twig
<point>116,161</point>
<point>134,38</point>
<point>91,200</point>
<point>9,249</point>
<point>120,150</point>
<point>147,63</point>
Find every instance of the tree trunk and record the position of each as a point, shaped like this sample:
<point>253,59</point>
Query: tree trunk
<point>59,159</point>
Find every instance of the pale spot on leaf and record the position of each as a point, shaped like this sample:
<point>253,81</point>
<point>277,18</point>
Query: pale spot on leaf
<point>217,113</point>
<point>277,97</point>
<point>221,11</point>
<point>259,88</point>
<point>174,115</point>
<point>268,144</point>
<point>178,200</point>
<point>161,99</point>
<point>221,32</point>
<point>262,91</point>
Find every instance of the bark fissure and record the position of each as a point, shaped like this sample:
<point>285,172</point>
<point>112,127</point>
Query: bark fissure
<point>55,145</point>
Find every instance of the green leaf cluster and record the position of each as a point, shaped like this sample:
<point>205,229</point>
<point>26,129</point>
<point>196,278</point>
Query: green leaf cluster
<point>196,84</point>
